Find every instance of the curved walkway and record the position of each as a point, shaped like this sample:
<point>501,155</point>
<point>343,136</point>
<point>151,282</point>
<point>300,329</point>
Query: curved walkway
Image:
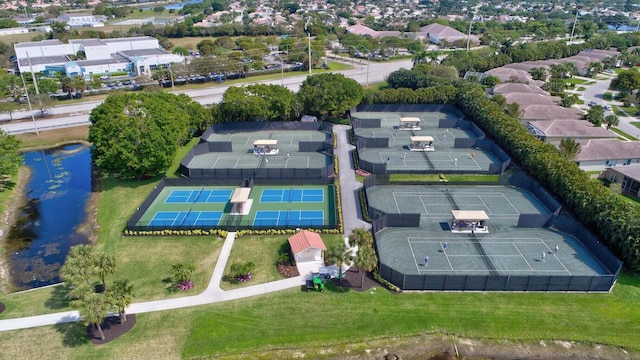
<point>351,216</point>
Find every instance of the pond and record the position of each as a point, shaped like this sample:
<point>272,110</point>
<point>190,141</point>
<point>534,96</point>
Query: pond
<point>175,6</point>
<point>55,207</point>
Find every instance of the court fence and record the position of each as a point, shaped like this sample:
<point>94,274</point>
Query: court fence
<point>284,176</point>
<point>479,142</point>
<point>408,108</point>
<point>492,282</point>
<point>233,222</point>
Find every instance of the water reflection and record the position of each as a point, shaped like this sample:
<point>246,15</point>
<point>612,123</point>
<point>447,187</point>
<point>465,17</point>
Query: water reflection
<point>56,195</point>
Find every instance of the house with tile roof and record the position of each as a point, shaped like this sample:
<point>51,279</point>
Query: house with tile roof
<point>627,176</point>
<point>439,34</point>
<point>307,246</point>
<point>547,112</point>
<point>508,88</point>
<point>525,100</point>
<point>599,154</point>
<point>553,131</point>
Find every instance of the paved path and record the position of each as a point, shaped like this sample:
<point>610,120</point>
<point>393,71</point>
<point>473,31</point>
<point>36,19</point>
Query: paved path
<point>213,294</point>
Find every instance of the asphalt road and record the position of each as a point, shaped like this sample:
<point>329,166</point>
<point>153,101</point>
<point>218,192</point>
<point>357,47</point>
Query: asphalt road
<point>596,92</point>
<point>78,114</point>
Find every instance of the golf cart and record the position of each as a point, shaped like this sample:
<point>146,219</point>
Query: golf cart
<point>316,284</point>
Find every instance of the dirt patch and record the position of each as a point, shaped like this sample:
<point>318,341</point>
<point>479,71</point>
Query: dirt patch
<point>353,280</point>
<point>7,219</point>
<point>111,328</point>
<point>448,347</point>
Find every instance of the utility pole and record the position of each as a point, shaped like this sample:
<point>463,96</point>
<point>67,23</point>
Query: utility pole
<point>306,28</point>
<point>33,76</point>
<point>573,28</point>
<point>26,93</point>
<point>469,34</point>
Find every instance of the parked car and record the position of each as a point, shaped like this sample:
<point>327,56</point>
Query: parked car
<point>592,103</point>
<point>126,82</point>
<point>608,107</point>
<point>105,77</point>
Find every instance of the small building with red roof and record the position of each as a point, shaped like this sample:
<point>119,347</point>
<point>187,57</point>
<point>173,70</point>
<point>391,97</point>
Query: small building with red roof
<point>307,246</point>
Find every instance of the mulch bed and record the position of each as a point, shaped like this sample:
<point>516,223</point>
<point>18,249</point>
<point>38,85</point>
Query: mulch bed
<point>2,307</point>
<point>111,328</point>
<point>353,280</point>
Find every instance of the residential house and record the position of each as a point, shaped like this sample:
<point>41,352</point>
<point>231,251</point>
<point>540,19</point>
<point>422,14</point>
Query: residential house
<point>599,154</point>
<point>553,131</point>
<point>627,176</point>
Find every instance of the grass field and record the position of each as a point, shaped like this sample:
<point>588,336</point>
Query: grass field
<point>624,134</point>
<point>53,138</point>
<point>263,252</point>
<point>274,325</point>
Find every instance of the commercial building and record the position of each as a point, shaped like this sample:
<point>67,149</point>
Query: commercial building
<point>135,56</point>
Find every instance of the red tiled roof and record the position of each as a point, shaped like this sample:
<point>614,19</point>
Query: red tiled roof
<point>304,239</point>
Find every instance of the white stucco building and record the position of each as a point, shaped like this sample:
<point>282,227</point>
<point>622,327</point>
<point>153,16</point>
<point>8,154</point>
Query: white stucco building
<point>135,55</point>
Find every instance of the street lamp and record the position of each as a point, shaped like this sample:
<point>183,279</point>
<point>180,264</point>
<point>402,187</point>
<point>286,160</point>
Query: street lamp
<point>368,62</point>
<point>26,92</point>
<point>306,26</point>
<point>281,68</point>
<point>173,86</point>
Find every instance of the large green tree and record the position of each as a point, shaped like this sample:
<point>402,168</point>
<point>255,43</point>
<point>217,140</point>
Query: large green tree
<point>595,115</point>
<point>329,94</point>
<point>365,260</point>
<point>136,135</point>
<point>626,82</point>
<point>10,160</point>
<point>259,102</point>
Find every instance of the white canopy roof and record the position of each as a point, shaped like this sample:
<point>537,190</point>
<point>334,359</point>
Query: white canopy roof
<point>477,215</point>
<point>265,142</point>
<point>421,138</point>
<point>410,119</point>
<point>240,195</point>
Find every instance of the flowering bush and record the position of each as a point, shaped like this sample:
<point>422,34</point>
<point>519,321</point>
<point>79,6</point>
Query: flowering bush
<point>185,285</point>
<point>244,278</point>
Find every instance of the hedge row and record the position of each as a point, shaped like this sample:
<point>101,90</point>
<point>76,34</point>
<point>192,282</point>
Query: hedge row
<point>197,232</point>
<point>613,218</point>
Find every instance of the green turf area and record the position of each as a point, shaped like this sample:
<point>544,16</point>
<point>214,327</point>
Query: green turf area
<point>635,123</point>
<point>302,322</point>
<point>575,81</point>
<point>624,134</point>
<point>182,152</point>
<point>263,252</point>
<point>581,88</point>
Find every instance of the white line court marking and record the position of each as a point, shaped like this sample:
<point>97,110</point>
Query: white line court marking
<point>415,260</point>
<point>525,259</point>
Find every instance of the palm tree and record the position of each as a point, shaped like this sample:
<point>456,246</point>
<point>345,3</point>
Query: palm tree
<point>513,110</point>
<point>93,309</point>
<point>121,295</point>
<point>611,120</point>
<point>79,266</point>
<point>365,260</point>
<point>420,57</point>
<point>339,254</point>
<point>538,73</point>
<point>360,237</point>
<point>105,265</point>
<point>182,272</point>
<point>570,148</point>
<point>78,83</point>
<point>594,67</point>
<point>570,68</point>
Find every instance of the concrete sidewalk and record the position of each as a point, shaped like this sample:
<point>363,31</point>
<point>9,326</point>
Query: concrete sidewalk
<point>352,219</point>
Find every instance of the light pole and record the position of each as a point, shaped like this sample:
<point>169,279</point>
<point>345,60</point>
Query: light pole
<point>469,34</point>
<point>26,92</point>
<point>281,68</point>
<point>306,26</point>
<point>573,29</point>
<point>173,86</point>
<point>368,62</point>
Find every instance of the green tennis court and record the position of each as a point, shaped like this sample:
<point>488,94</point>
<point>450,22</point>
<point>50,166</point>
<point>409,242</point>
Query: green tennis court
<point>211,207</point>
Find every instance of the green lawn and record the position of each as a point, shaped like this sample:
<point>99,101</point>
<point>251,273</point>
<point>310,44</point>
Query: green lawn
<point>290,322</point>
<point>581,88</point>
<point>635,123</point>
<point>263,252</point>
<point>172,172</point>
<point>624,134</point>
<point>575,81</point>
